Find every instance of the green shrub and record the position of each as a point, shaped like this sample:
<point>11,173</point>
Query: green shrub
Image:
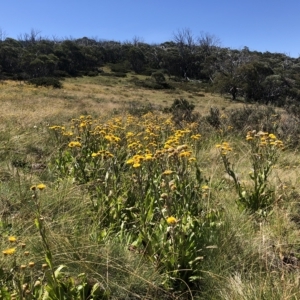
<point>46,81</point>
<point>148,72</point>
<point>120,67</point>
<point>60,73</point>
<point>254,118</point>
<point>159,77</point>
<point>92,73</point>
<point>182,110</point>
<point>117,74</point>
<point>150,84</point>
<point>138,109</point>
<point>214,118</point>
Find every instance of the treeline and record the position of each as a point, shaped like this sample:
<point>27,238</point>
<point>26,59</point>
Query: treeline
<point>256,76</point>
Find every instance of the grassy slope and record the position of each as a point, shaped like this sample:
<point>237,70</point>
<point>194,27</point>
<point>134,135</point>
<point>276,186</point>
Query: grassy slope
<point>26,113</point>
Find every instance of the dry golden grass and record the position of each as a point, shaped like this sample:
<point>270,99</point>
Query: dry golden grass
<point>28,105</point>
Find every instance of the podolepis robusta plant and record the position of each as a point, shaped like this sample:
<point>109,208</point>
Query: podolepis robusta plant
<point>258,197</point>
<point>145,184</point>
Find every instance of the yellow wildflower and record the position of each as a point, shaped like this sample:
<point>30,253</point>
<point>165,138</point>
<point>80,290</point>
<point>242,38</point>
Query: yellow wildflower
<point>185,154</point>
<point>9,251</point>
<point>168,172</point>
<point>41,186</point>
<point>196,136</point>
<point>74,144</point>
<point>182,147</point>
<point>136,165</point>
<point>130,161</point>
<point>12,239</point>
<point>171,221</point>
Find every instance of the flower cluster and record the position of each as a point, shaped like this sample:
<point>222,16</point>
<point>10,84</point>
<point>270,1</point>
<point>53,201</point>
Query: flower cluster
<point>264,138</point>
<point>224,147</point>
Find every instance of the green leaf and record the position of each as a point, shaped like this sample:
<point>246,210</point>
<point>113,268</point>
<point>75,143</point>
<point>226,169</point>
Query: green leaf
<point>37,223</point>
<point>57,272</point>
<point>48,258</point>
<point>198,175</point>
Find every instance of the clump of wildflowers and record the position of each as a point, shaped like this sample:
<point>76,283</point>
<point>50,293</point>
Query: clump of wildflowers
<point>224,147</point>
<point>264,153</point>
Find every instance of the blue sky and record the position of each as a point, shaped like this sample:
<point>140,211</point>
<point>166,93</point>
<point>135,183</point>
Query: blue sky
<point>263,25</point>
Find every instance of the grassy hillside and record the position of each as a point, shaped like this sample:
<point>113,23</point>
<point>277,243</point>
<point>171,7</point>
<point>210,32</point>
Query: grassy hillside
<point>103,195</point>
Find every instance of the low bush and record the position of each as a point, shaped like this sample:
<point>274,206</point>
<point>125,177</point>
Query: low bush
<point>116,74</point>
<point>254,118</point>
<point>139,109</point>
<point>120,67</point>
<point>159,77</point>
<point>46,81</point>
<point>151,84</point>
<point>92,73</point>
<point>60,73</point>
<point>182,111</point>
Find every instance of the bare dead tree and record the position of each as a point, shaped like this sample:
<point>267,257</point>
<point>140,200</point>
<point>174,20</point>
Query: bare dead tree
<point>186,46</point>
<point>3,34</point>
<point>30,38</point>
<point>185,39</point>
<point>208,43</point>
<point>136,41</point>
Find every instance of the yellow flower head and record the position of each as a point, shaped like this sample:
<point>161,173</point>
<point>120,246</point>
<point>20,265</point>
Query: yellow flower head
<point>168,172</point>
<point>74,144</point>
<point>171,221</point>
<point>196,136</point>
<point>41,186</point>
<point>12,239</point>
<point>192,159</point>
<point>136,165</point>
<point>130,161</point>
<point>9,251</point>
<point>185,154</point>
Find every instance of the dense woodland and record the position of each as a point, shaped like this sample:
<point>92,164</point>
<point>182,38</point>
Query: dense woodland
<point>261,77</point>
